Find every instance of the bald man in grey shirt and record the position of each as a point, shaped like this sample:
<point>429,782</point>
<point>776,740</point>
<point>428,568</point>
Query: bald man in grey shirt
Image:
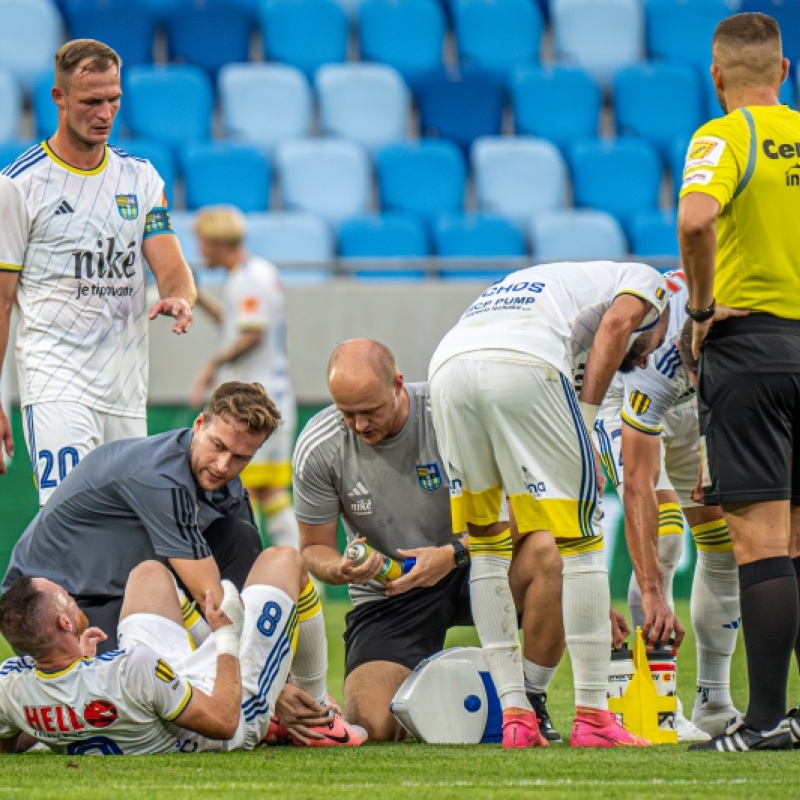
<point>372,460</point>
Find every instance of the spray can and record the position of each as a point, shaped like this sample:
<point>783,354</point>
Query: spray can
<point>359,552</point>
<point>620,673</point>
<point>662,662</point>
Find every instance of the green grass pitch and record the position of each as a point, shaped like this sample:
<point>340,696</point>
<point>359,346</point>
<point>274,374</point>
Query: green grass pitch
<point>415,770</point>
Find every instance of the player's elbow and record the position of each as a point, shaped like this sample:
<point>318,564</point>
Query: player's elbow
<point>224,725</point>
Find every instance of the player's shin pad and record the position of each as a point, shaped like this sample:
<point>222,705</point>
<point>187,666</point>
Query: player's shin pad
<point>587,626</point>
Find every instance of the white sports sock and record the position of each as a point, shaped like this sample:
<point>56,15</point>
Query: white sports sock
<point>193,621</point>
<point>283,528</point>
<point>310,663</point>
<point>496,622</point>
<point>715,617</point>
<point>537,678</point>
<point>587,625</point>
<point>670,550</point>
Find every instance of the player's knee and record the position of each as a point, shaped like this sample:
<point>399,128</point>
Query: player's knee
<point>539,550</point>
<point>380,724</point>
<point>279,566</point>
<point>151,573</point>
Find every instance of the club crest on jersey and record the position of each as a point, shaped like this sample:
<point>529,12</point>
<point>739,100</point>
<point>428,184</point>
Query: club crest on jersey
<point>429,477</point>
<point>128,206</point>
<point>164,671</point>
<point>640,402</point>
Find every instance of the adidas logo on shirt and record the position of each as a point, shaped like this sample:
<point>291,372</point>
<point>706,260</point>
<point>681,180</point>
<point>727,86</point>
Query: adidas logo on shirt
<point>358,490</point>
<point>64,208</point>
<point>362,501</point>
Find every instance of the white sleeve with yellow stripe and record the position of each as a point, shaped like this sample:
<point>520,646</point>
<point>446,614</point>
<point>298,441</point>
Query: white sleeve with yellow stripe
<point>164,693</point>
<point>14,226</point>
<point>647,396</point>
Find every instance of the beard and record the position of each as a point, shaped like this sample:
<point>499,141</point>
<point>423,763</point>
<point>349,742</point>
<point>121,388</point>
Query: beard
<point>635,353</point>
<point>82,624</point>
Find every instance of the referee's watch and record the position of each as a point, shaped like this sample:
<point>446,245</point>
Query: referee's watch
<point>701,314</point>
<point>461,554</point>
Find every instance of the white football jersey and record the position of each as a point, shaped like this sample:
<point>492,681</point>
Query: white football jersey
<point>253,299</point>
<point>75,236</point>
<point>121,702</point>
<point>550,312</point>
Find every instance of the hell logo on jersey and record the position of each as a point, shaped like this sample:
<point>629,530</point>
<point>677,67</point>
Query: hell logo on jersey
<point>100,713</point>
<point>128,206</point>
<point>429,477</point>
<point>58,718</point>
<point>640,402</point>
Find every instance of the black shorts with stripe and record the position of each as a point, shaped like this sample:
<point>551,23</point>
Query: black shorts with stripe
<point>749,409</point>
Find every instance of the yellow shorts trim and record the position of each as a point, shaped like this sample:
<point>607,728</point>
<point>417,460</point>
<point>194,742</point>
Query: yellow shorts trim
<point>479,508</point>
<point>267,476</point>
<point>713,537</point>
<point>564,518</point>
<point>670,520</point>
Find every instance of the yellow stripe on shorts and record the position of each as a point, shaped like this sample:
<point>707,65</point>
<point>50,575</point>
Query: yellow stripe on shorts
<point>479,508</point>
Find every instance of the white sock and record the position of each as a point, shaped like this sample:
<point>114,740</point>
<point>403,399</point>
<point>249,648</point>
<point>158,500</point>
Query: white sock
<point>283,528</point>
<point>670,550</point>
<point>587,626</point>
<point>193,620</point>
<point>496,622</point>
<point>310,663</point>
<point>715,617</point>
<point>537,678</point>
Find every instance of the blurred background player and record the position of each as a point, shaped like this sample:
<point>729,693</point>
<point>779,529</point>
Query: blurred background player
<point>372,459</point>
<point>649,444</point>
<point>508,422</point>
<point>77,220</point>
<point>253,348</point>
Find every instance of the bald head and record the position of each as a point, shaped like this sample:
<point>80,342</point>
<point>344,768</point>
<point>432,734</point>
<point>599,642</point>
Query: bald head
<point>367,388</point>
<point>746,48</point>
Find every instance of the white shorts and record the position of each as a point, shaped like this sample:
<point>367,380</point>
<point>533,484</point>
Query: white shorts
<point>514,426</point>
<point>680,451</point>
<point>59,435</point>
<point>271,466</point>
<point>268,642</point>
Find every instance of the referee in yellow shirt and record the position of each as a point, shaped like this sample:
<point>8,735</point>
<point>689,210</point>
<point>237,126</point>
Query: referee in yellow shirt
<point>739,231</point>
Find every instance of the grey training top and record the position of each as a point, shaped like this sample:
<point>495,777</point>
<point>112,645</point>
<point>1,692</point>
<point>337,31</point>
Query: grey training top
<point>394,493</point>
<point>125,502</point>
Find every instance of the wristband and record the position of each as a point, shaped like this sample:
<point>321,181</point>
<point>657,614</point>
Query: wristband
<point>589,414</point>
<point>227,641</point>
<point>701,314</point>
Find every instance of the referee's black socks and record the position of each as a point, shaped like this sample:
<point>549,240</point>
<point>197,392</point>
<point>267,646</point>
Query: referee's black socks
<point>770,605</point>
<point>796,563</point>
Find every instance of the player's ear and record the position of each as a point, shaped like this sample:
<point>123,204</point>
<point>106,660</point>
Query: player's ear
<point>58,95</point>
<point>199,422</point>
<point>64,623</point>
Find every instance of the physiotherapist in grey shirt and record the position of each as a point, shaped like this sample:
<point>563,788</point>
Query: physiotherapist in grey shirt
<point>175,497</point>
<point>372,459</point>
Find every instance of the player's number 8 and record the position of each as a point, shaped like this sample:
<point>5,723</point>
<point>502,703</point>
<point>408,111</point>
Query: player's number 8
<point>270,617</point>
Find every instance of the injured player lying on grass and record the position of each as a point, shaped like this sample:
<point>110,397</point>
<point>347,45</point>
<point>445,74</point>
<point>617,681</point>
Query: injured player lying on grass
<point>156,693</point>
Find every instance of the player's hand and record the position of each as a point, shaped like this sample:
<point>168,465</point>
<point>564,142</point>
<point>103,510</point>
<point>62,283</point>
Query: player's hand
<point>6,440</point>
<point>178,307</point>
<point>299,712</point>
<point>660,622</point>
<point>230,611</point>
<point>202,382</point>
<point>363,573</point>
<point>89,641</point>
<point>433,563</point>
<point>619,628</point>
<point>700,329</point>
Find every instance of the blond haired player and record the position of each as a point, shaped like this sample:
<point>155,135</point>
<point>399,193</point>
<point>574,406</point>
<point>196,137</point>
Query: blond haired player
<point>77,220</point>
<point>253,348</point>
<point>508,421</point>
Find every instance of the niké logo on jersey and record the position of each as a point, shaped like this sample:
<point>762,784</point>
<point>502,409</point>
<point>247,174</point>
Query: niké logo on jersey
<point>107,262</point>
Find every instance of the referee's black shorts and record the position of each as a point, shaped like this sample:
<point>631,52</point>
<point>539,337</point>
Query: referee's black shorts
<point>408,627</point>
<point>749,406</point>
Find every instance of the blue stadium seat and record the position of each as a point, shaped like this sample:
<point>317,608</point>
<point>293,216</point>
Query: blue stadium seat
<point>329,177</point>
<point>13,149</point>
<point>301,244</point>
<point>601,36</point>
<point>460,104</point>
<point>365,102</point>
<point>10,106</point>
<point>657,102</point>
<point>518,176</point>
<point>389,235</point>
<point>654,233</point>
<point>681,30</point>
<point>677,160</point>
<point>496,34</point>
<point>556,102</point>
<point>246,90</point>
<point>30,33</point>
<point>426,178</point>
<point>577,234</point>
<point>223,172</point>
<point>127,27</point>
<point>172,103</point>
<point>405,34</point>
<point>159,155</point>
<point>45,112</point>
<point>210,33</point>
<point>477,236</point>
<point>787,15</point>
<point>183,226</point>
<point>620,176</point>
<point>304,33</point>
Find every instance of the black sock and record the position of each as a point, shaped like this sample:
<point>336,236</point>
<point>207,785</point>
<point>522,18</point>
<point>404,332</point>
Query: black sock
<point>770,620</point>
<point>796,563</point>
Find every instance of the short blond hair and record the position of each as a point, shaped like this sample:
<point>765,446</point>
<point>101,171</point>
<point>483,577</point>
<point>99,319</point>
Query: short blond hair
<point>70,55</point>
<point>221,224</point>
<point>245,404</point>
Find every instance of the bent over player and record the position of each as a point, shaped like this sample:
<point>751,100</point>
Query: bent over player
<point>78,218</point>
<point>508,422</point>
<point>156,694</point>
